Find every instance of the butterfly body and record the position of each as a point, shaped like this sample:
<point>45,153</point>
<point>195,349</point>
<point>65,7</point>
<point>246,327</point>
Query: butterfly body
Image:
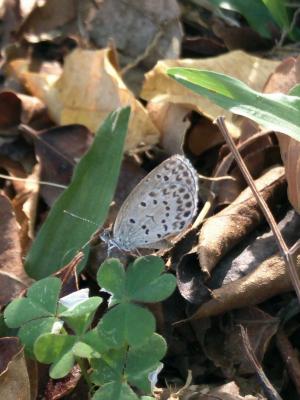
<point>160,206</point>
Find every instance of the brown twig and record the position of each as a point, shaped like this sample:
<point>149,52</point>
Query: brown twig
<point>268,388</point>
<point>284,250</point>
<point>290,358</point>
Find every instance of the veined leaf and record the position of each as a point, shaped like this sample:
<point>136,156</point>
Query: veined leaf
<point>275,111</point>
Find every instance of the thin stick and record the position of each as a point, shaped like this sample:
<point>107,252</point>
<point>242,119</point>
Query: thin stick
<point>269,390</point>
<point>36,181</point>
<point>284,250</point>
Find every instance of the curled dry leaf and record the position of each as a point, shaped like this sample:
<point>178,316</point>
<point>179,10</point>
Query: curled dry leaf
<point>16,108</point>
<point>259,152</point>
<point>284,78</point>
<point>252,251</point>
<point>159,88</point>
<point>87,90</point>
<point>269,279</point>
<point>14,377</point>
<point>58,389</point>
<point>25,205</point>
<point>224,230</point>
<point>10,248</point>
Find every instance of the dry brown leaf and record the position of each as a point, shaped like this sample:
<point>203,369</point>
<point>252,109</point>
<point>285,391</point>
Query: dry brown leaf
<point>45,16</point>
<point>149,28</point>
<point>10,288</point>
<point>57,158</point>
<point>228,391</point>
<point>10,248</point>
<point>225,229</point>
<point>25,204</point>
<point>269,279</point>
<point>159,88</point>
<point>287,75</point>
<point>259,153</point>
<point>88,89</point>
<point>203,136</point>
<point>14,378</point>
<point>260,327</point>
<point>171,119</point>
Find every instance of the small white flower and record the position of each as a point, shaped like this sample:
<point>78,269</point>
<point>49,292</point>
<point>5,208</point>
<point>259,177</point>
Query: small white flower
<point>153,376</point>
<point>73,299</point>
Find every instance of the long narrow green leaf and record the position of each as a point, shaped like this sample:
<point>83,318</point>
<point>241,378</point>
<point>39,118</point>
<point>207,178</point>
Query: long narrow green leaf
<point>273,111</point>
<point>256,14</point>
<point>279,12</point>
<point>88,196</point>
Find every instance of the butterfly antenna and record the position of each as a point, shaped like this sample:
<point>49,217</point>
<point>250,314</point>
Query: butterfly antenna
<point>81,218</point>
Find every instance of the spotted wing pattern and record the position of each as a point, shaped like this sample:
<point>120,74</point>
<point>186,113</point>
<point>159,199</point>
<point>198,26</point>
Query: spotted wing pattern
<point>161,205</point>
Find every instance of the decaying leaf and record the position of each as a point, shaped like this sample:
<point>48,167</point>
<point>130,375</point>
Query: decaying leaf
<point>14,378</point>
<point>172,120</point>
<point>59,389</point>
<point>260,327</point>
<point>10,248</point>
<point>228,391</point>
<point>87,90</point>
<point>25,205</point>
<point>158,25</point>
<point>253,250</point>
<point>57,158</point>
<point>269,279</point>
<point>159,88</point>
<point>226,228</point>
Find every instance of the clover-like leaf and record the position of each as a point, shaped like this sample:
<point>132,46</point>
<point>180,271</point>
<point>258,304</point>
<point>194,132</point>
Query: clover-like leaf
<point>146,282</point>
<point>144,359</point>
<point>61,351</point>
<point>143,281</point>
<point>127,323</point>
<point>80,317</point>
<point>115,391</point>
<point>36,313</point>
<point>111,277</point>
<point>110,367</point>
<point>56,349</point>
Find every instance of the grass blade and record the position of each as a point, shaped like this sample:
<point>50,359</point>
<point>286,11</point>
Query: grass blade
<point>88,196</point>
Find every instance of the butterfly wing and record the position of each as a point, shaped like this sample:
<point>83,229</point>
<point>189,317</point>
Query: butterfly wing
<point>161,205</point>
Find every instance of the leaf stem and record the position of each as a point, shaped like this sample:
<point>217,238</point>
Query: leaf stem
<point>84,371</point>
<point>284,250</point>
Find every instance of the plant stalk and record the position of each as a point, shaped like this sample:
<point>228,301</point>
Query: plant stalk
<point>284,250</point>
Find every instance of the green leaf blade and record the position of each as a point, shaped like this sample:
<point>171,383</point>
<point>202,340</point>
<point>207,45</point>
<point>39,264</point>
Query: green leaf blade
<point>89,196</point>
<point>276,111</point>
